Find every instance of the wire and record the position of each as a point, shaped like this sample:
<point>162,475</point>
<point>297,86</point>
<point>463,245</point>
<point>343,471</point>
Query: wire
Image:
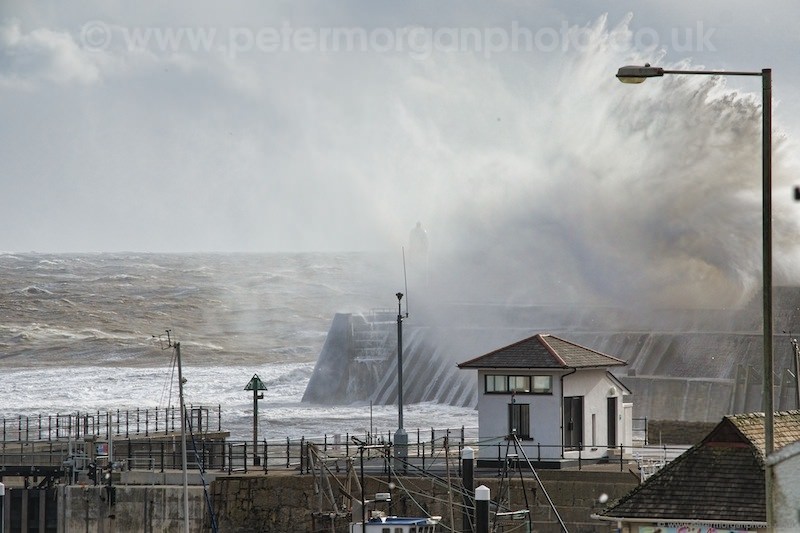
<point>202,476</point>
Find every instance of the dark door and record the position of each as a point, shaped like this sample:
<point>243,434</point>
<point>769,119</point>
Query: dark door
<point>612,422</point>
<point>573,422</point>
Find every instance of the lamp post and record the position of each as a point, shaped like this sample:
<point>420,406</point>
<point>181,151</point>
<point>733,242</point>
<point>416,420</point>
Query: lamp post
<point>638,74</point>
<point>400,436</point>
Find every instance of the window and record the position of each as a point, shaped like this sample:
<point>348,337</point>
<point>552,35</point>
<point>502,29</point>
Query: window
<point>519,383</point>
<point>543,384</point>
<point>519,420</point>
<point>497,383</point>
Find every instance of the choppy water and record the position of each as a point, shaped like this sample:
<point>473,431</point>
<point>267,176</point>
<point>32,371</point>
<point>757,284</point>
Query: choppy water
<point>77,333</point>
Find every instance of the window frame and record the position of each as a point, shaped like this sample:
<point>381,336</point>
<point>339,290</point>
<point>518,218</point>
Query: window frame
<point>523,432</point>
<point>502,384</point>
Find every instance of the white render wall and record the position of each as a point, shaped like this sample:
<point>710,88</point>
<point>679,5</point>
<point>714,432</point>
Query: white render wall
<point>595,385</point>
<point>785,464</point>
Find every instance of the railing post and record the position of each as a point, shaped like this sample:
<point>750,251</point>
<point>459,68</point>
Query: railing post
<point>288,461</point>
<point>266,456</point>
<point>621,452</point>
<point>302,452</point>
<point>580,454</point>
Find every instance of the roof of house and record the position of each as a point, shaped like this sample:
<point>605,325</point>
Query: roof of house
<point>721,479</point>
<point>543,351</point>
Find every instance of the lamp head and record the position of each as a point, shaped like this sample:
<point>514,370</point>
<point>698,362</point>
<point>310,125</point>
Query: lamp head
<point>399,296</point>
<point>637,74</point>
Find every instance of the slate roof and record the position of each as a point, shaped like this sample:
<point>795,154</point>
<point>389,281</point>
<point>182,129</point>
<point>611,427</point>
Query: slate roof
<point>543,351</point>
<point>721,479</point>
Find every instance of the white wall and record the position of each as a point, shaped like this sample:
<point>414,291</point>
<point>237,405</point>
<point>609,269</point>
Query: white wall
<point>545,424</point>
<point>595,385</point>
<point>785,465</point>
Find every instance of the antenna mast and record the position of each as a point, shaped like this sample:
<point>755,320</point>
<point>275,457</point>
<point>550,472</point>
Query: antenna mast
<point>181,381</point>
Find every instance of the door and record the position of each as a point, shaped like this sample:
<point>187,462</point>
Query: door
<point>612,422</point>
<point>573,422</point>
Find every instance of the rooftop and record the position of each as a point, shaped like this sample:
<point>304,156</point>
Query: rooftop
<point>543,351</point>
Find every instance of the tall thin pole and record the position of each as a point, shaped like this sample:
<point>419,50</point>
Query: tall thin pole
<point>637,75</point>
<point>400,436</point>
<point>255,427</point>
<point>183,441</point>
<point>399,362</point>
<point>766,170</point>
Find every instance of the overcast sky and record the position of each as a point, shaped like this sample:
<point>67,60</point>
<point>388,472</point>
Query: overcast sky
<point>318,126</point>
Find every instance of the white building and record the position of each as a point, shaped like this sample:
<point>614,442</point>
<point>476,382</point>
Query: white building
<point>558,397</point>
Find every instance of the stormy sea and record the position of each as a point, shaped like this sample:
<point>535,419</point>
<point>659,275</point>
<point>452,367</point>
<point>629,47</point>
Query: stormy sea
<point>87,332</point>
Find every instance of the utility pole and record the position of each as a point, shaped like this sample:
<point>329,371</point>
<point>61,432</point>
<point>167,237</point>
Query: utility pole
<point>177,347</point>
<point>183,441</point>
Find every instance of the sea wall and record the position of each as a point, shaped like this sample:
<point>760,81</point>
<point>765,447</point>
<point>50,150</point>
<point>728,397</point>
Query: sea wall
<point>131,508</point>
<point>285,502</point>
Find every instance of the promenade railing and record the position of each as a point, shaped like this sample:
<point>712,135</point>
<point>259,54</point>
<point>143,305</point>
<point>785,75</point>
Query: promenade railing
<point>107,424</point>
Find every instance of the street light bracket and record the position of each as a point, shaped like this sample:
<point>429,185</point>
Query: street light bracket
<point>637,74</point>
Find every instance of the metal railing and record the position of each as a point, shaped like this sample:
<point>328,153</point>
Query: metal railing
<point>107,424</point>
<point>232,457</point>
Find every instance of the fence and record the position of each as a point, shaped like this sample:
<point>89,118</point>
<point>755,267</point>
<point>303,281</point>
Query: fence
<point>107,424</point>
<point>142,440</point>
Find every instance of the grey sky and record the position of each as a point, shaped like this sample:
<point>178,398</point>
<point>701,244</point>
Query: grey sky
<point>251,131</point>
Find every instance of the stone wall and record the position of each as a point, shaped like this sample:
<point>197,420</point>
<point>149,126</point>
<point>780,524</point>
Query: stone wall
<point>677,432</point>
<point>285,502</point>
<point>141,509</point>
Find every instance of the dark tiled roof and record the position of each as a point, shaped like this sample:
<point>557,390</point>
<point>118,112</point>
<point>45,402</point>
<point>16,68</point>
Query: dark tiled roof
<point>786,428</point>
<point>717,483</point>
<point>543,351</point>
<point>721,479</point>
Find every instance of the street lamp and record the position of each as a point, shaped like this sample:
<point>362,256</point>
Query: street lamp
<point>400,436</point>
<point>638,74</point>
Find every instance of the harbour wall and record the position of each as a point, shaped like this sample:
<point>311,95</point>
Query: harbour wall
<point>285,503</point>
<point>288,502</point>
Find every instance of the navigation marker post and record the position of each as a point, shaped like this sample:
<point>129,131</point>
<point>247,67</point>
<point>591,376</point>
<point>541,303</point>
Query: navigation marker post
<point>255,384</point>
